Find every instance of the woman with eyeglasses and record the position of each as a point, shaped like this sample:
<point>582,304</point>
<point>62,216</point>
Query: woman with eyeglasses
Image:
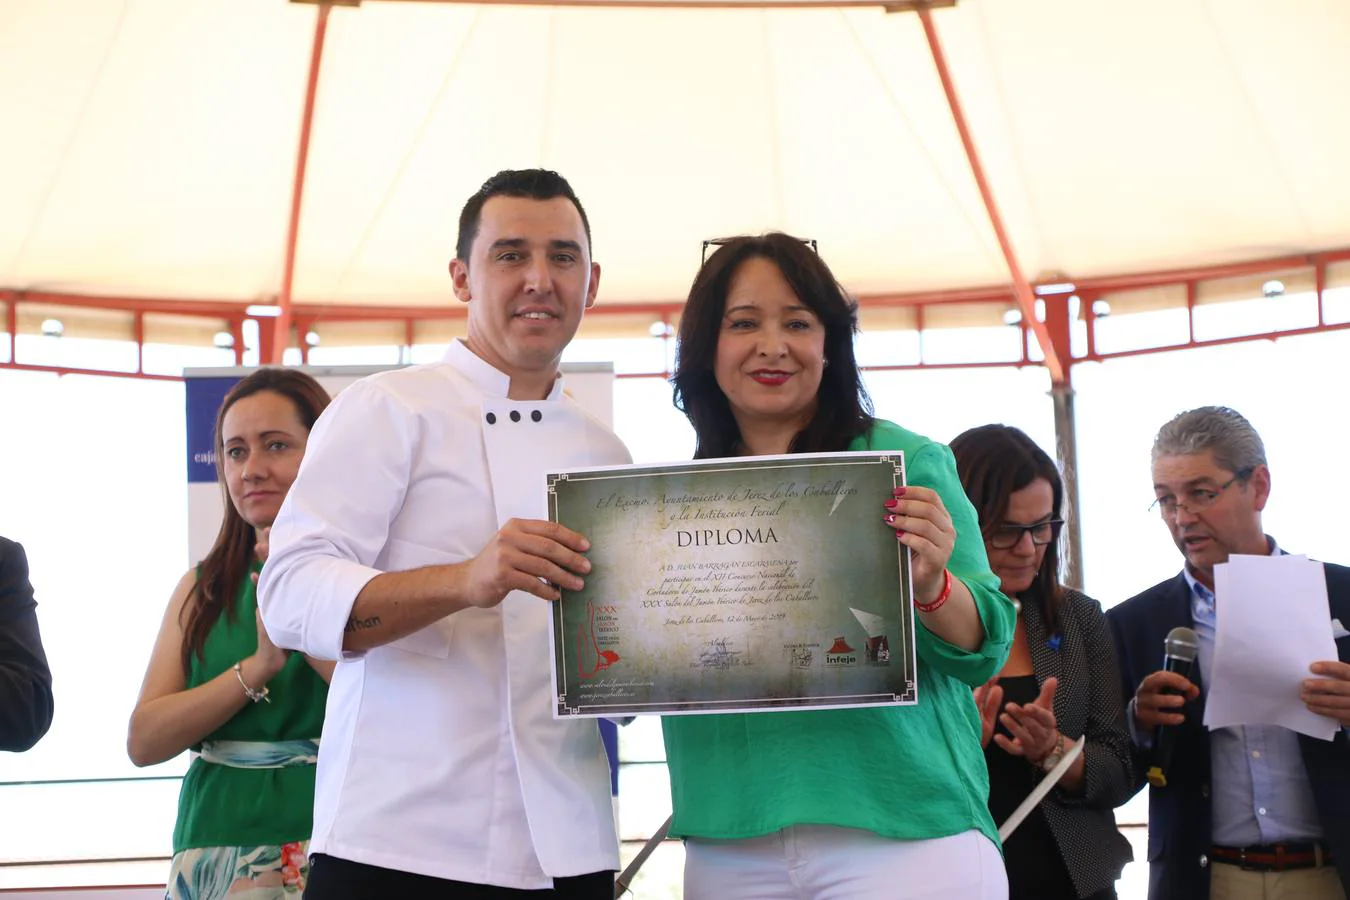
<point>1060,682</point>
<point>842,803</point>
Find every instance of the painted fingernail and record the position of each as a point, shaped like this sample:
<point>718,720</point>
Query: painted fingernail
<point>899,492</point>
<point>899,534</point>
<point>889,519</point>
<point>890,504</point>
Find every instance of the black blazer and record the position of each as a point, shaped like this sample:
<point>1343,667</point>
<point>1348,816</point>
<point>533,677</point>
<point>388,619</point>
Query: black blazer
<point>1179,819</point>
<point>1087,702</point>
<point>25,680</point>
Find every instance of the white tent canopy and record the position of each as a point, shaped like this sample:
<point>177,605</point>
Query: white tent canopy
<point>150,145</point>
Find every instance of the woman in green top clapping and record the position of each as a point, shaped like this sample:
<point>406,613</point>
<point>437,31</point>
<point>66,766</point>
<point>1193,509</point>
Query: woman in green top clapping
<point>834,804</point>
<point>218,686</point>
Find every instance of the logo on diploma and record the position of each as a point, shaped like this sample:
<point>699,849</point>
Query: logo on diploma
<point>840,654</point>
<point>801,655</point>
<point>603,626</point>
<point>877,650</point>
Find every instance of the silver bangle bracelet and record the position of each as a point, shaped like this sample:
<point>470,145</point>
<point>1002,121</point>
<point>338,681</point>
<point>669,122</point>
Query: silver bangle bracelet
<point>253,695</point>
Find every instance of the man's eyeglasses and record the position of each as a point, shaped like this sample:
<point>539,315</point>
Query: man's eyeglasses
<point>718,242</point>
<point>1005,537</point>
<point>1198,499</point>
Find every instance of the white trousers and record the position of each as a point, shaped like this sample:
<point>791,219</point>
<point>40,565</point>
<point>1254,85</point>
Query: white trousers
<point>820,862</point>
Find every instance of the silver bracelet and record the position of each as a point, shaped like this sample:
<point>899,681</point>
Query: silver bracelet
<point>253,695</point>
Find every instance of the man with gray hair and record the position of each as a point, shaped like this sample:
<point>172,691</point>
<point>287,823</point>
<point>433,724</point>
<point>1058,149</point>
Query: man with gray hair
<point>1239,812</point>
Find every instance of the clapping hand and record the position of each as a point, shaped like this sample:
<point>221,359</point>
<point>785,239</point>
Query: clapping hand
<point>1035,733</point>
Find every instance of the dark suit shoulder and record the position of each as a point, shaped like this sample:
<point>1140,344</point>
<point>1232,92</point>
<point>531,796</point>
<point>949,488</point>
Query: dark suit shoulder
<point>1338,577</point>
<point>25,679</point>
<point>1145,602</point>
<point>1338,590</point>
<point>16,594</point>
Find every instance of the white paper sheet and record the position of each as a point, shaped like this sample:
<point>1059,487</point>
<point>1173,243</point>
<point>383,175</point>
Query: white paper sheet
<point>1038,793</point>
<point>1272,623</point>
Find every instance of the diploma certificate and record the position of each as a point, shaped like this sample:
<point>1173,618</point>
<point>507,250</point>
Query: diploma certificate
<point>734,585</point>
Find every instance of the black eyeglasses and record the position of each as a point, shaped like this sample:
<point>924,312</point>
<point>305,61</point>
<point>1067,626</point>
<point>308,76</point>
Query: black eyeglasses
<point>1197,499</point>
<point>718,242</point>
<point>1005,537</point>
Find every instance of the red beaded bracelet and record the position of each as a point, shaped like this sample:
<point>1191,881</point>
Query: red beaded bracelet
<point>941,598</point>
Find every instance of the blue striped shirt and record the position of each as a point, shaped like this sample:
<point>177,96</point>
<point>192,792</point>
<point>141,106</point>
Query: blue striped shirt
<point>1259,786</point>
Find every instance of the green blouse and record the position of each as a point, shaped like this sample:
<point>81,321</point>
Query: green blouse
<point>222,806</point>
<point>910,773</point>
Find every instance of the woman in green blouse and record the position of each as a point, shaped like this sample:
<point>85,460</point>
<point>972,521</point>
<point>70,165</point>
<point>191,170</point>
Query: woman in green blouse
<point>847,803</point>
<point>251,712</point>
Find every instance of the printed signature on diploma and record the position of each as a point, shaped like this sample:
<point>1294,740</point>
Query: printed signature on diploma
<point>719,653</point>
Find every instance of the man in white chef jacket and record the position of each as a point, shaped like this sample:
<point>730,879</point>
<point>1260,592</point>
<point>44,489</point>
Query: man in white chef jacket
<point>413,548</point>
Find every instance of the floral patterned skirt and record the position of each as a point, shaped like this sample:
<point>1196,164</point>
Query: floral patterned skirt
<point>269,872</point>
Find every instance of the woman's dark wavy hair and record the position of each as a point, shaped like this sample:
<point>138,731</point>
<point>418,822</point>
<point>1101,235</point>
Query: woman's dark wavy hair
<point>994,462</point>
<point>227,564</point>
<point>843,411</point>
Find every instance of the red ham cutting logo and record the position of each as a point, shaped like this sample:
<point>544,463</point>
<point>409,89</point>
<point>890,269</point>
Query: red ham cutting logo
<point>603,658</point>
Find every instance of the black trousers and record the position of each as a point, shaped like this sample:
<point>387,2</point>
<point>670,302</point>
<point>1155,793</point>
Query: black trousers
<point>331,878</point>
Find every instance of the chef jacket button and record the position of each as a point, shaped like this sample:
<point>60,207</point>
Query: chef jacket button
<point>536,416</point>
<point>515,415</point>
<point>492,418</point>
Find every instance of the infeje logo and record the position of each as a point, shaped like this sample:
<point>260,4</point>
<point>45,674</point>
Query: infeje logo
<point>840,653</point>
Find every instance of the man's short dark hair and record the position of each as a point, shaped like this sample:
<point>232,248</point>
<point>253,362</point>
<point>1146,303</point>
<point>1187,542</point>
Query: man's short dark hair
<point>532,184</point>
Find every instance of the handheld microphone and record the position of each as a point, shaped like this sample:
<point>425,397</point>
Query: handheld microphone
<point>1179,652</point>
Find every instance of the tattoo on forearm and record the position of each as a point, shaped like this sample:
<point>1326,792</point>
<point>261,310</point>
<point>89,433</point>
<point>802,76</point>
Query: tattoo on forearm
<point>355,624</point>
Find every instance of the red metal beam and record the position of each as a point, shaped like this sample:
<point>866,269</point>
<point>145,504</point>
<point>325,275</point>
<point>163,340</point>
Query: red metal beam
<point>237,332</point>
<point>233,311</point>
<point>12,327</point>
<point>1219,342</point>
<point>1026,299</point>
<point>1090,320</point>
<point>138,332</point>
<point>68,370</point>
<point>1092,355</point>
<point>266,345</point>
<point>1162,277</point>
<point>282,327</point>
<point>1059,325</point>
<point>1320,282</point>
<point>122,303</point>
<point>348,312</point>
<point>302,328</point>
<point>1192,295</point>
<point>919,327</point>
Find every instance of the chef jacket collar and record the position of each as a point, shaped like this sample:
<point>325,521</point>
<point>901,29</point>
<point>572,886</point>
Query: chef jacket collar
<point>484,376</point>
